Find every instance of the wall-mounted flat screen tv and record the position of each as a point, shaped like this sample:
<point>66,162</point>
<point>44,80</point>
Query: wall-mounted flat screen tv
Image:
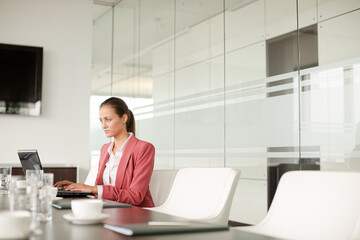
<point>20,79</point>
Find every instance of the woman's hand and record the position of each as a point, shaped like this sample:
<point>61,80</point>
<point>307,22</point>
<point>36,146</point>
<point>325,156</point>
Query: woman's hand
<point>81,188</point>
<point>63,184</point>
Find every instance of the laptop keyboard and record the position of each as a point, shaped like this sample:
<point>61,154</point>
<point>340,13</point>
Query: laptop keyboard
<point>65,193</point>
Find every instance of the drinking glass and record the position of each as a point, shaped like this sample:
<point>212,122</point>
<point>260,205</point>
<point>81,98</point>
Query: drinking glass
<point>45,198</point>
<point>18,198</point>
<point>5,177</point>
<point>34,180</point>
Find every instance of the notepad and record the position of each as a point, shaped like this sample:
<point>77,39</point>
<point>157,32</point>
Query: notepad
<point>66,204</point>
<point>162,227</point>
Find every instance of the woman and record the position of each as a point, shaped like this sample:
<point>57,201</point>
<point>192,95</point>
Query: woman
<point>125,165</point>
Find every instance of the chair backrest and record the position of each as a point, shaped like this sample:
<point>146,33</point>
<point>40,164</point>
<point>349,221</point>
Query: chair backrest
<point>91,177</point>
<point>160,185</point>
<point>203,194</point>
<point>314,205</point>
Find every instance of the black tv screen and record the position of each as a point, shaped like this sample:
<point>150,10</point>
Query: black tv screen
<point>20,79</point>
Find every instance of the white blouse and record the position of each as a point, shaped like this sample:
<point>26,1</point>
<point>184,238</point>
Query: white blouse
<point>111,166</point>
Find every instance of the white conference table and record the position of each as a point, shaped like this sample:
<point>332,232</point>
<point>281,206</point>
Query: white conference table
<point>61,229</point>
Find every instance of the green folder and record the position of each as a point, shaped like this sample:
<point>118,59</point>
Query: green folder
<point>66,204</point>
<point>164,228</point>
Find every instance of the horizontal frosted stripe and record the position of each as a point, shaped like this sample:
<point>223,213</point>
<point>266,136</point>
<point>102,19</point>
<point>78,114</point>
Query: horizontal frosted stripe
<point>214,98</point>
<point>282,154</point>
<point>245,161</point>
<point>205,150</point>
<point>354,154</point>
<point>198,162</point>
<point>294,149</point>
<point>199,107</point>
<point>353,63</point>
<point>326,127</point>
<point>267,80</point>
<point>163,155</point>
<point>245,99</point>
<point>310,154</point>
<point>239,150</point>
<point>277,161</point>
<point>165,151</point>
<point>264,155</point>
<point>256,84</point>
<point>280,93</point>
<point>281,82</point>
<point>205,100</point>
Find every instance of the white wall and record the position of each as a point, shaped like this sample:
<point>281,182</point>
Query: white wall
<point>63,28</point>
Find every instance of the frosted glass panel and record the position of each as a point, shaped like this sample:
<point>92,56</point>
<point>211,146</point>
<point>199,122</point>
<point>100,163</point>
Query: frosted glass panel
<point>307,12</point>
<point>193,45</point>
<point>231,84</point>
<point>199,83</point>
<point>160,132</point>
<point>216,35</point>
<point>245,25</point>
<point>163,57</point>
<point>199,119</point>
<point>199,138</point>
<point>261,112</point>
<point>126,81</point>
<point>156,79</point>
<point>250,202</point>
<point>245,65</point>
<point>280,17</point>
<point>330,115</point>
<point>199,30</point>
<point>249,140</point>
<point>332,8</point>
<point>329,97</point>
<point>336,42</point>
<point>101,55</point>
<point>100,80</point>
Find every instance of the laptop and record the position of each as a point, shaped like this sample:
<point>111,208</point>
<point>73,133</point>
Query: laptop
<point>30,160</point>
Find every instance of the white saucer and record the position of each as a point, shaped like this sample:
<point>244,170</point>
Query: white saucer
<point>70,217</point>
<point>56,199</point>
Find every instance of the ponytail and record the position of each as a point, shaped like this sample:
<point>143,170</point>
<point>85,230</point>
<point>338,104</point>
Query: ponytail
<point>130,123</point>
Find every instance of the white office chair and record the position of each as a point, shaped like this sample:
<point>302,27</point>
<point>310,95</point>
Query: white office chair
<point>91,177</point>
<point>203,194</point>
<point>314,205</point>
<point>160,185</point>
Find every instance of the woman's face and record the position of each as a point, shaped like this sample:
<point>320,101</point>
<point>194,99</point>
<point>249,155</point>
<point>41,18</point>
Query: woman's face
<point>111,123</point>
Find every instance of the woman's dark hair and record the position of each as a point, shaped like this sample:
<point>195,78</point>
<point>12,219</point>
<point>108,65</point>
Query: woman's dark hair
<point>120,109</point>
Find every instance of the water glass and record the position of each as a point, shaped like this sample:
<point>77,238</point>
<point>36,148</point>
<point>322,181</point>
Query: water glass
<point>45,198</point>
<point>5,177</point>
<point>34,177</point>
<point>34,180</point>
<point>19,200</point>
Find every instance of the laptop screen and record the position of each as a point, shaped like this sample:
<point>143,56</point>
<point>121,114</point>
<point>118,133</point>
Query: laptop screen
<point>29,160</point>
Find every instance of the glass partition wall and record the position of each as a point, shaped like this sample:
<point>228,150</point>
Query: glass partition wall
<point>263,86</point>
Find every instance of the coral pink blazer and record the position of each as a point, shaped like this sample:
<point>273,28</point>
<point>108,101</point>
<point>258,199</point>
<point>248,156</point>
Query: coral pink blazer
<point>133,174</point>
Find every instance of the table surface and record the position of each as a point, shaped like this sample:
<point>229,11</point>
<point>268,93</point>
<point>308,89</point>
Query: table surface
<point>61,229</point>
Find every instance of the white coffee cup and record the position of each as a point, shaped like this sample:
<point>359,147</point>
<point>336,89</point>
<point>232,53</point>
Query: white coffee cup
<point>86,208</point>
<point>14,224</point>
<point>54,191</point>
